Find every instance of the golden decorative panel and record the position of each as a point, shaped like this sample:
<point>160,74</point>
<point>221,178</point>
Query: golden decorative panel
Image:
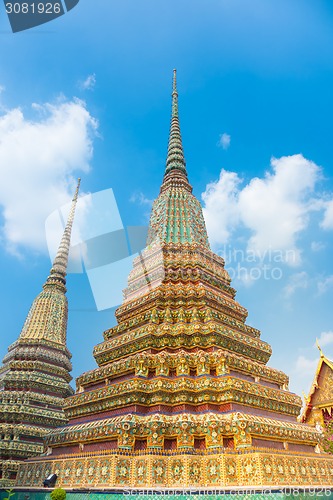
<point>151,470</point>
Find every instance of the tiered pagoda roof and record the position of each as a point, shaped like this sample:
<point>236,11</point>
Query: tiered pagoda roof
<point>34,378</point>
<point>318,409</point>
<point>182,396</point>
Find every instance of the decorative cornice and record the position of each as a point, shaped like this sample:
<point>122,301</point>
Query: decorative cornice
<point>182,390</point>
<point>188,335</point>
<point>226,424</point>
<point>140,364</point>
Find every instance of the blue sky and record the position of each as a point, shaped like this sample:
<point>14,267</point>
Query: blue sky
<point>89,95</point>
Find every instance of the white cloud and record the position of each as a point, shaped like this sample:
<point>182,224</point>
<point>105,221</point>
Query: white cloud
<point>141,199</point>
<point>306,366</point>
<point>325,338</point>
<point>327,222</point>
<point>221,208</point>
<point>325,284</point>
<point>2,90</point>
<point>224,141</point>
<point>38,160</point>
<point>275,208</point>
<point>303,371</point>
<point>296,281</point>
<point>316,246</point>
<point>89,83</point>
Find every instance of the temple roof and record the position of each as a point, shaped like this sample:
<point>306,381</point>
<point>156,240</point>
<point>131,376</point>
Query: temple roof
<point>320,396</point>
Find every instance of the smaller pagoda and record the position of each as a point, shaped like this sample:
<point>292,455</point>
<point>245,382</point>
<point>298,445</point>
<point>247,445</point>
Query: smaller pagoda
<point>35,376</point>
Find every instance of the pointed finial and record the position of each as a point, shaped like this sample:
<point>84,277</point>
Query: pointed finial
<point>174,83</point>
<point>321,352</point>
<point>305,397</point>
<point>174,95</point>
<point>175,158</point>
<point>59,269</point>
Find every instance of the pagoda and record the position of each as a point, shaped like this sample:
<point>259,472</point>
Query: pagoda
<point>34,378</point>
<point>182,396</point>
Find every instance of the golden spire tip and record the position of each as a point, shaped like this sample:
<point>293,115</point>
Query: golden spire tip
<point>321,352</point>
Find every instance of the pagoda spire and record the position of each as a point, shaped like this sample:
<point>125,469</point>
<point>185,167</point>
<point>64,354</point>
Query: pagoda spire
<point>176,215</point>
<point>58,271</point>
<point>175,157</point>
<point>54,286</point>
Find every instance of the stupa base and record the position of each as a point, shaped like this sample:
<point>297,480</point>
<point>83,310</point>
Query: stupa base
<point>8,471</point>
<point>202,470</point>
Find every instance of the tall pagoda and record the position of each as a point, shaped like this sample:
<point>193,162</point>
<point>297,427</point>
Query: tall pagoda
<point>182,396</point>
<point>34,378</point>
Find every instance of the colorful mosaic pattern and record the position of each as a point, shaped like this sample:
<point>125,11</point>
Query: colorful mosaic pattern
<point>184,471</point>
<point>212,427</point>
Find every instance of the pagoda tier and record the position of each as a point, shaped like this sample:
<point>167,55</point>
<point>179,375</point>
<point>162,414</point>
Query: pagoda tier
<point>34,378</point>
<point>182,395</point>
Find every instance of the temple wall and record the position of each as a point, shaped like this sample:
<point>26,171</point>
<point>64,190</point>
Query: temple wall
<point>172,469</point>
